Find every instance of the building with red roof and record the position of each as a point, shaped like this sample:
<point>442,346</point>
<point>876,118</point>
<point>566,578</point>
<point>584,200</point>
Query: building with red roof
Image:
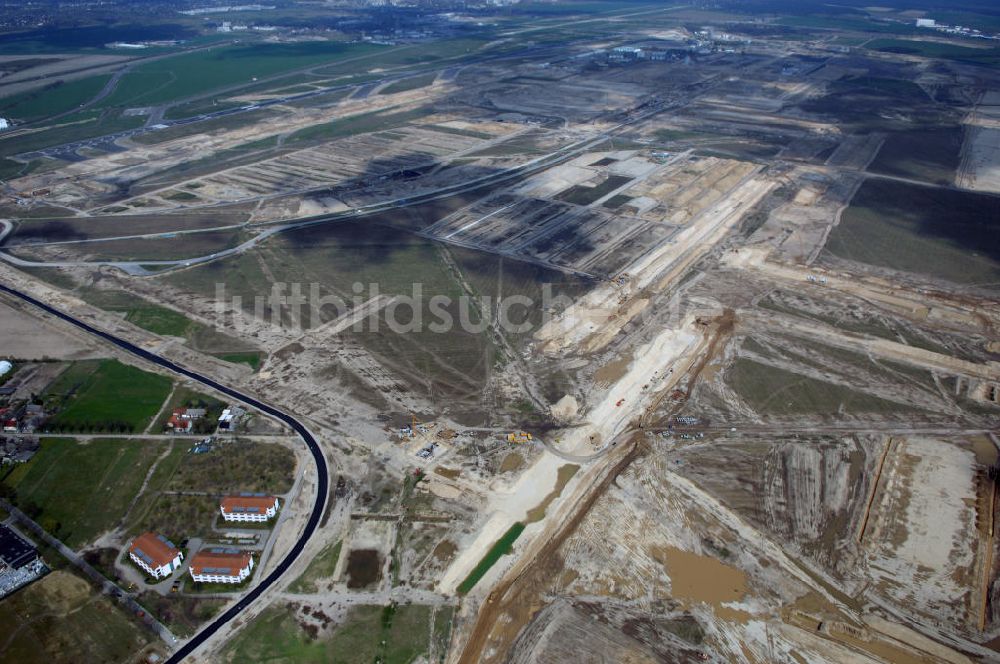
<point>254,507</point>
<point>155,554</point>
<point>221,565</point>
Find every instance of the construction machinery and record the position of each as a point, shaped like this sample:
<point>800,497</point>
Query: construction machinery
<point>519,437</point>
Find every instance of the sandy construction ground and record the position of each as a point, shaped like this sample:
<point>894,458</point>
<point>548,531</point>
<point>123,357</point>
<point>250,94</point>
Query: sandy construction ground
<point>25,336</point>
<point>654,369</point>
<point>980,169</point>
<point>928,568</point>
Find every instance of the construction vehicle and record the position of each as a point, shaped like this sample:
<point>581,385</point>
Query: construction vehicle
<point>519,437</point>
<point>620,402</point>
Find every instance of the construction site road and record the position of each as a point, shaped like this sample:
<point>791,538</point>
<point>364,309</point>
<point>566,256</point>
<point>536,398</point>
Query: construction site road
<point>322,473</point>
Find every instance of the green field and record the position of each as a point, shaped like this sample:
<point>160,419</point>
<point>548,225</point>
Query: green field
<point>61,620</point>
<point>10,169</point>
<point>879,103</point>
<point>931,49</point>
<point>773,391</point>
<point>235,467</point>
<point>160,320</point>
<point>105,395</point>
<point>177,517</point>
<point>79,489</point>
<point>320,567</point>
<point>436,52</point>
<point>847,24</point>
<point>191,74</point>
<point>263,467</point>
<point>390,634</point>
<point>502,547</point>
<point>250,359</point>
<point>936,232</point>
<point>335,257</point>
<point>928,154</point>
<point>52,99</point>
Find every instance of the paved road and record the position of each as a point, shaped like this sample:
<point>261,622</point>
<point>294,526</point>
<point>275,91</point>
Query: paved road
<point>102,581</point>
<point>322,474</point>
<point>192,437</point>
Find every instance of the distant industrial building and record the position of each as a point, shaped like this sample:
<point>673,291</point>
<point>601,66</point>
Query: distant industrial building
<point>15,551</point>
<point>255,507</point>
<point>155,554</point>
<point>19,561</point>
<point>220,565</point>
<point>230,417</point>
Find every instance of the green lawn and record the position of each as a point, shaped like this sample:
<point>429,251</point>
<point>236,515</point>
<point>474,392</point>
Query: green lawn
<point>436,52</point>
<point>774,391</point>
<point>390,634</point>
<point>191,74</point>
<point>251,359</point>
<point>106,395</point>
<point>502,547</point>
<point>932,49</point>
<point>320,567</point>
<point>161,320</point>
<point>79,489</point>
<point>10,169</point>
<point>53,99</point>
